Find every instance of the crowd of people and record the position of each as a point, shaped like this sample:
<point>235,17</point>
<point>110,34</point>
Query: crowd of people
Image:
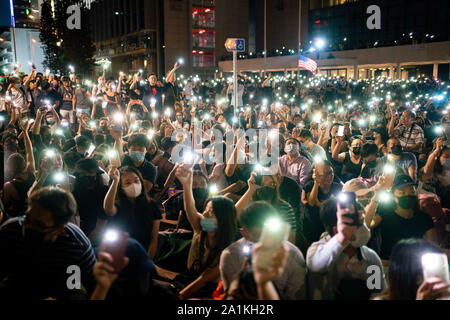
<point>167,162</point>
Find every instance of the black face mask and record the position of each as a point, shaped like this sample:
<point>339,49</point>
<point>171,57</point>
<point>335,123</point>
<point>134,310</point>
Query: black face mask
<point>268,194</point>
<point>357,150</point>
<point>408,202</point>
<point>104,128</point>
<point>397,150</point>
<point>85,182</point>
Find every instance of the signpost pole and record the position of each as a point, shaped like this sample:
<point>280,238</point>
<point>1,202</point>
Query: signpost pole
<point>235,81</point>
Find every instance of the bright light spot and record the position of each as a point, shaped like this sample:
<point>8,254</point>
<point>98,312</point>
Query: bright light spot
<point>388,169</point>
<point>111,236</point>
<point>273,224</point>
<point>50,153</point>
<point>343,197</point>
<point>118,117</point>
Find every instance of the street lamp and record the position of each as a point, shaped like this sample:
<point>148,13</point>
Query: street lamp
<point>320,43</point>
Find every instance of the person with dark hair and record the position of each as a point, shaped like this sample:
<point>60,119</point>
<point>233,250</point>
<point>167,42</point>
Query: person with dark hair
<point>137,148</point>
<point>89,191</point>
<point>291,284</point>
<point>70,158</point>
<point>37,249</point>
<point>338,262</point>
<point>21,171</point>
<point>435,175</point>
<point>292,164</point>
<point>308,144</point>
<point>267,188</point>
<point>214,230</point>
<point>405,162</point>
<point>82,144</point>
<point>401,217</point>
<point>131,208</point>
<point>315,192</point>
<point>68,100</point>
<point>369,154</point>
<point>405,275</point>
<point>380,138</point>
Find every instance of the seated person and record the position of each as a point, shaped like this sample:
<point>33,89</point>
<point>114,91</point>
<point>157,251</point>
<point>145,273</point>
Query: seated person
<point>338,262</point>
<point>214,230</point>
<point>291,283</point>
<point>38,248</point>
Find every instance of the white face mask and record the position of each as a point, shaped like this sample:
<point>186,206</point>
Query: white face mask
<point>362,236</point>
<point>133,190</point>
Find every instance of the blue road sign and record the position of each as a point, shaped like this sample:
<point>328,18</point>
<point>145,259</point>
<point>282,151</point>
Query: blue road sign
<point>233,44</point>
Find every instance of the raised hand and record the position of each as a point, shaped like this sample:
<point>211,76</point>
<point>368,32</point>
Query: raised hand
<point>276,268</point>
<point>114,174</point>
<point>345,231</point>
<point>184,175</point>
<point>104,272</point>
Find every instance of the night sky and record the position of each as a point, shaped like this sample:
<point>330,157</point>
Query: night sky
<point>5,16</point>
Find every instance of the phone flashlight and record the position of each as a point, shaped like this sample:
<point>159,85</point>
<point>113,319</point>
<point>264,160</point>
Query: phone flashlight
<point>92,124</point>
<point>167,112</point>
<point>118,117</point>
<point>362,122</point>
<point>373,118</point>
<point>206,117</point>
<point>152,102</point>
<point>388,169</point>
<point>180,61</point>
<point>111,236</point>
<point>59,177</point>
<point>235,120</point>
<point>213,190</point>
<point>435,265</point>
<point>50,153</point>
<point>385,197</point>
<point>154,115</point>
<point>59,132</point>
<point>111,154</point>
<point>438,130</point>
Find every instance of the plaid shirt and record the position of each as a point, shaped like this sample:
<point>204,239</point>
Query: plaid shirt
<point>410,137</point>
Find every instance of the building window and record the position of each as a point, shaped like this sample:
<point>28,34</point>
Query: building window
<point>203,17</point>
<point>203,58</point>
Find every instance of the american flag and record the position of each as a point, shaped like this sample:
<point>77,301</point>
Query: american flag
<point>307,63</point>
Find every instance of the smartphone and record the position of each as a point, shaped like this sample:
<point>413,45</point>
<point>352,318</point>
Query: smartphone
<point>274,232</point>
<point>115,243</point>
<point>435,265</point>
<point>340,132</point>
<point>247,250</point>
<point>347,200</point>
<point>117,127</point>
<point>90,150</point>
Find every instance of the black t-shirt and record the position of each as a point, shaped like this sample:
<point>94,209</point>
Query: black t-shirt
<point>394,228</point>
<point>291,193</point>
<point>90,207</point>
<point>136,219</point>
<point>240,175</point>
<point>313,226</point>
<point>147,169</point>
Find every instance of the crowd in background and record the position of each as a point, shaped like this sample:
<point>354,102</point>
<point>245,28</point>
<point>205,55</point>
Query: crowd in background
<point>85,156</point>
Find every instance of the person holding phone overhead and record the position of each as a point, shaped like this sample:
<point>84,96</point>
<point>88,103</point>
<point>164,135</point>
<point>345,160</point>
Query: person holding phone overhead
<point>351,161</point>
<point>342,257</point>
<point>214,230</point>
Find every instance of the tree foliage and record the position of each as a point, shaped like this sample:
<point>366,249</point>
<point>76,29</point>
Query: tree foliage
<point>76,46</point>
